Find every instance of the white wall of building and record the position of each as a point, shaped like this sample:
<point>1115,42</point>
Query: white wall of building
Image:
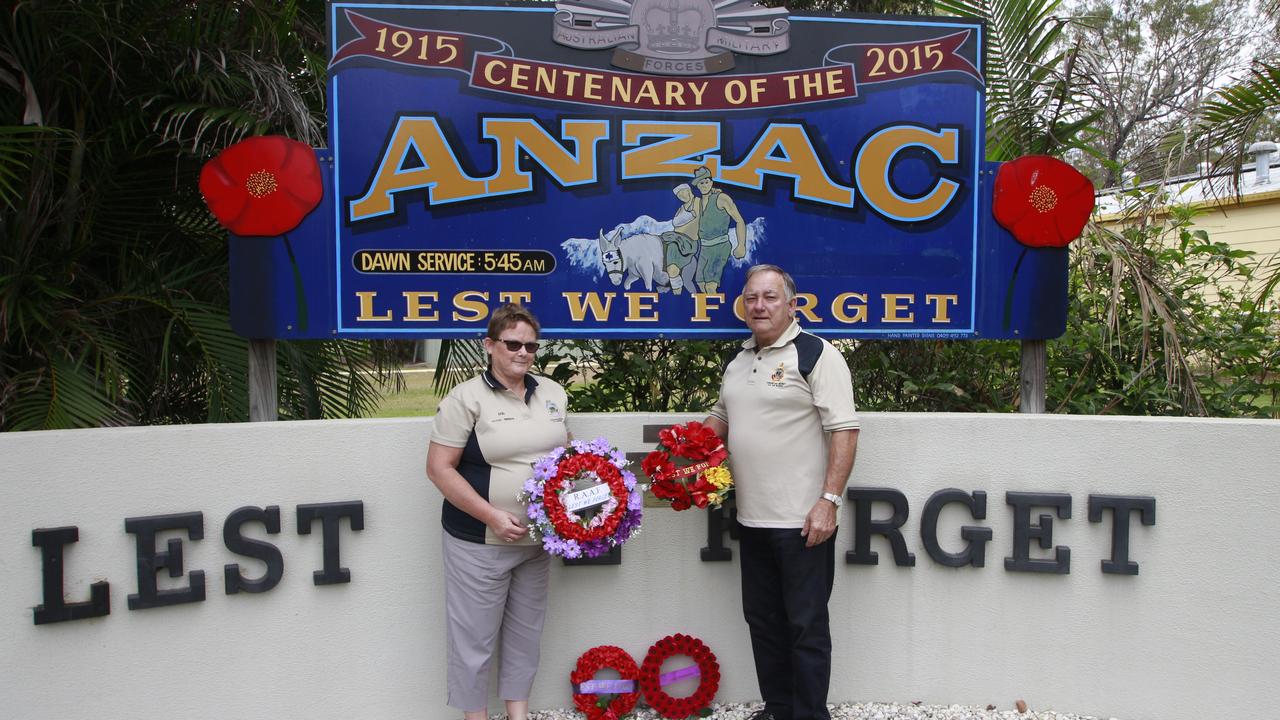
<point>1195,634</point>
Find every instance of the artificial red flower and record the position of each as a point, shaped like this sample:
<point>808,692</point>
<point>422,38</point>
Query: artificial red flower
<point>263,185</point>
<point>682,501</point>
<point>1043,201</point>
<point>700,490</point>
<point>656,463</point>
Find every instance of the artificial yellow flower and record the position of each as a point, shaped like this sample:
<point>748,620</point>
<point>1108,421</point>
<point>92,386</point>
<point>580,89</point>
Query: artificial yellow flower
<point>719,476</point>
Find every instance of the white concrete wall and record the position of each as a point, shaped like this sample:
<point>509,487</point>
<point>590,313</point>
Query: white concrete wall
<point>1194,635</point>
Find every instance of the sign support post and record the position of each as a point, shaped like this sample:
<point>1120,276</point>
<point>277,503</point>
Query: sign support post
<point>263,404</point>
<point>1034,353</point>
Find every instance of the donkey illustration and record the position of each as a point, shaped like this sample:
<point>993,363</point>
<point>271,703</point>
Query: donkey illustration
<point>637,257</point>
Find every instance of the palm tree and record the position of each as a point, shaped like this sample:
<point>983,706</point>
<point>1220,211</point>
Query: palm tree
<point>113,280</point>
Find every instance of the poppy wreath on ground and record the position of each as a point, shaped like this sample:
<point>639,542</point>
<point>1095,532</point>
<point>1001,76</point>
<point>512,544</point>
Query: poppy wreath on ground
<point>613,492</point>
<point>651,682</point>
<point>687,468</point>
<point>263,185</point>
<point>587,690</point>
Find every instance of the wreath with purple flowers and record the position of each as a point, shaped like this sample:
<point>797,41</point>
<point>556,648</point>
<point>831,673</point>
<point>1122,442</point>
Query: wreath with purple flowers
<point>582,501</point>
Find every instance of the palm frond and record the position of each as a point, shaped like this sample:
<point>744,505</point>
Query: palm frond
<point>459,359</point>
<point>1028,74</point>
<point>1228,118</point>
<point>64,394</point>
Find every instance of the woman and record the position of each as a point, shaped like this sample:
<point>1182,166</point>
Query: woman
<point>487,433</point>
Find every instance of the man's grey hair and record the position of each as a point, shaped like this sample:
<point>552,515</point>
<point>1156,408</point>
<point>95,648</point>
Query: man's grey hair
<point>787,281</point>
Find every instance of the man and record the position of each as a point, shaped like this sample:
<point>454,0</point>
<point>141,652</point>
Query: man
<point>786,413</point>
<point>715,210</point>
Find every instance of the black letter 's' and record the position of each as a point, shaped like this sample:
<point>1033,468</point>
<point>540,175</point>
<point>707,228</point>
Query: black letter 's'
<point>257,549</point>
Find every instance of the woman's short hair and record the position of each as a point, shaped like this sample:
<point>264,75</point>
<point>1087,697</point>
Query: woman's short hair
<point>510,315</point>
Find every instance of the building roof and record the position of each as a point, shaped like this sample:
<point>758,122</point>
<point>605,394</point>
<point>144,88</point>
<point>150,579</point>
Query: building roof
<point>1218,188</point>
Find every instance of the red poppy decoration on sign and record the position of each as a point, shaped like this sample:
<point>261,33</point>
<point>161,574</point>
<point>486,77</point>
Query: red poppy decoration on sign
<point>706,668</point>
<point>587,691</point>
<point>263,185</point>
<point>1043,201</point>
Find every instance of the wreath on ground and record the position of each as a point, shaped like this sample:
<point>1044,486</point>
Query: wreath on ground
<point>605,699</point>
<point>688,467</point>
<point>581,501</point>
<point>706,669</point>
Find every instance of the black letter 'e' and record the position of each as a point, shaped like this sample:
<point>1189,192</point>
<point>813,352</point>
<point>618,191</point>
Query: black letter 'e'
<point>150,562</point>
<point>256,549</point>
<point>55,607</point>
<point>1024,532</point>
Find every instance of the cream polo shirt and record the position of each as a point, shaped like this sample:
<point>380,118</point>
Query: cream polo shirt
<point>501,435</point>
<point>778,424</point>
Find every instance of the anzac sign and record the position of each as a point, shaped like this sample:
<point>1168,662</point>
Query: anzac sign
<point>617,165</point>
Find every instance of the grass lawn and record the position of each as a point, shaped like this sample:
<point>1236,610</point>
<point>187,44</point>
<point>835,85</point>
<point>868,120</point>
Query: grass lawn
<point>415,399</point>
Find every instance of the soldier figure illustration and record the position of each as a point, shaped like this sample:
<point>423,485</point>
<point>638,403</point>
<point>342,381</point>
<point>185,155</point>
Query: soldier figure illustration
<point>714,211</point>
<point>679,245</point>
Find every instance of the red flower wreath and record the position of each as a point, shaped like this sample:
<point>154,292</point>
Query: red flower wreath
<point>569,469</point>
<point>651,682</point>
<point>605,656</point>
<point>691,484</point>
<point>263,185</point>
<point>1043,201</point>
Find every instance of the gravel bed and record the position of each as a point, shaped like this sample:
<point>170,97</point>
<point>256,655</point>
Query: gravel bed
<point>852,711</point>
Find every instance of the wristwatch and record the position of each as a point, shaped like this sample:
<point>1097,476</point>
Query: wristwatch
<point>834,499</point>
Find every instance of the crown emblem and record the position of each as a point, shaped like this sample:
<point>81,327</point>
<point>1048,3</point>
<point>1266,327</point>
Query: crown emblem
<point>671,27</point>
<point>672,37</point>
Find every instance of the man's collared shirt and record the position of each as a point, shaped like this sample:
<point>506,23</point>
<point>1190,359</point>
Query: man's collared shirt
<point>778,424</point>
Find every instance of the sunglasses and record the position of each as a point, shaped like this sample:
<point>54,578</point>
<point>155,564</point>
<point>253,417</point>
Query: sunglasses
<point>515,345</point>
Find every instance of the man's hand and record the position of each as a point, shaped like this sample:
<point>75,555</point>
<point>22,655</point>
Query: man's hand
<point>819,524</point>
<point>506,526</point>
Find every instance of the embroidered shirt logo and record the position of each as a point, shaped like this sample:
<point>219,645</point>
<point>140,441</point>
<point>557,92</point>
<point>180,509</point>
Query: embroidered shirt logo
<point>779,372</point>
<point>552,409</point>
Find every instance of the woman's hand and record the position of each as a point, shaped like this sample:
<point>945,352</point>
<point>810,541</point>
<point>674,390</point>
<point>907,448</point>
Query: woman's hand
<point>506,526</point>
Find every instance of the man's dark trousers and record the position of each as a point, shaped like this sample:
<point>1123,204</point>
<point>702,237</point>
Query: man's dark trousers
<point>785,590</point>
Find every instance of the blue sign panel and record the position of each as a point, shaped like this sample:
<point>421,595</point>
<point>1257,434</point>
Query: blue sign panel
<point>617,166</point>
